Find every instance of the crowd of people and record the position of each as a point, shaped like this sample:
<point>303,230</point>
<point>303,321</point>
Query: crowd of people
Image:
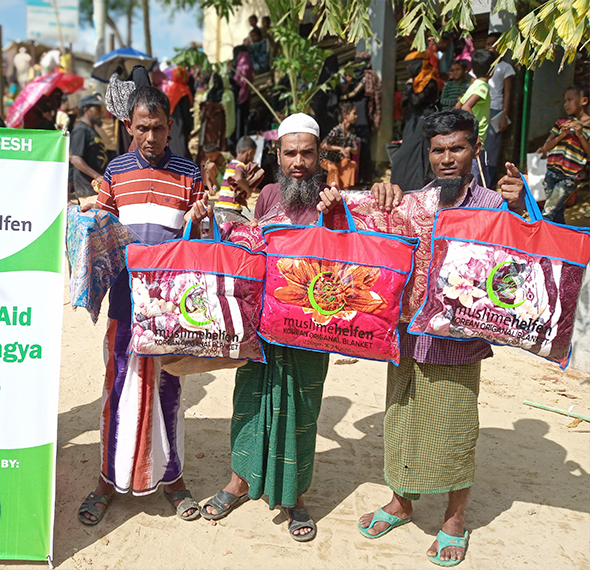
<point>142,441</point>
<point>454,75</point>
<point>457,107</point>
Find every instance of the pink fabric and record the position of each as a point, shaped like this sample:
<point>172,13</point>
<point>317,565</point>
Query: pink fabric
<point>244,70</point>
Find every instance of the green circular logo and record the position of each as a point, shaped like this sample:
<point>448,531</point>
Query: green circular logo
<point>328,296</point>
<point>185,312</point>
<point>510,283</point>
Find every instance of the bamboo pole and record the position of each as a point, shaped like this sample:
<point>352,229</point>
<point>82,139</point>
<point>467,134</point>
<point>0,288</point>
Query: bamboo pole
<point>557,411</point>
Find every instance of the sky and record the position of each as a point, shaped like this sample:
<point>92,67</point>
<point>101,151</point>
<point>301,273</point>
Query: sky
<point>168,31</point>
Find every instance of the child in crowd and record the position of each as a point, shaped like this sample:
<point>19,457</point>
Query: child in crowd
<point>567,150</point>
<point>214,167</point>
<point>477,101</point>
<point>236,188</point>
<point>458,83</point>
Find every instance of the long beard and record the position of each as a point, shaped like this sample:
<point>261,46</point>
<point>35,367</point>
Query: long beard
<point>450,188</point>
<point>298,195</point>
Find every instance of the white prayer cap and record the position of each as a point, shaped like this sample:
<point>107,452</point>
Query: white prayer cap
<point>299,123</point>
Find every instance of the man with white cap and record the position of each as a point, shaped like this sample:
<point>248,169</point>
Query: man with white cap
<point>276,405</point>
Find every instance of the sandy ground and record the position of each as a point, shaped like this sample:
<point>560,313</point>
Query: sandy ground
<point>529,507</point>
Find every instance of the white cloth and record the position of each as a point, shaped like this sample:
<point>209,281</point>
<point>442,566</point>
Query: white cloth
<point>496,83</point>
<point>536,168</point>
<point>299,123</point>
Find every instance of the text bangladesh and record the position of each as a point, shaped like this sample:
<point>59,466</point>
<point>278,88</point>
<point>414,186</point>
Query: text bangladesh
<point>510,321</point>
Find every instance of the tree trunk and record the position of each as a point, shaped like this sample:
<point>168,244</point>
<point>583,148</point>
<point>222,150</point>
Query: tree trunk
<point>146,26</point>
<point>109,21</point>
<point>129,26</point>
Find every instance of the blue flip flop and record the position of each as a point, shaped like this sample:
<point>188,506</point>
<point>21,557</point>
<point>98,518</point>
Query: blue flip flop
<point>381,516</point>
<point>445,540</point>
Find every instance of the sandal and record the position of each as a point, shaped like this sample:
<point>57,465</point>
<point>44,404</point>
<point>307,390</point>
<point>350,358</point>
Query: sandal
<point>186,505</point>
<point>381,516</point>
<point>224,503</point>
<point>445,540</point>
<point>300,519</point>
<point>89,506</point>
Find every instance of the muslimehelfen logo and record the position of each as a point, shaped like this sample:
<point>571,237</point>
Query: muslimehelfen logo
<point>503,283</point>
<point>193,304</point>
<point>328,293</point>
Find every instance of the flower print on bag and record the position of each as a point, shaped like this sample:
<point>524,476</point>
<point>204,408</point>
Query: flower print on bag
<point>329,289</point>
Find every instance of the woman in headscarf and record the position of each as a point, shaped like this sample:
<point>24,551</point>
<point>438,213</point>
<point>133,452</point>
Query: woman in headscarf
<point>365,93</point>
<point>181,103</point>
<point>410,165</point>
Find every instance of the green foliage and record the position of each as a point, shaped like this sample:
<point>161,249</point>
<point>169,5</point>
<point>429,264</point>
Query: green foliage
<point>191,57</point>
<point>419,17</point>
<point>553,24</point>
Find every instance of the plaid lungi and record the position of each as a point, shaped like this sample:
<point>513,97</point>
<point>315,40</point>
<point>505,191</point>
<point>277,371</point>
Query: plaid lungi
<point>431,426</point>
<point>274,424</point>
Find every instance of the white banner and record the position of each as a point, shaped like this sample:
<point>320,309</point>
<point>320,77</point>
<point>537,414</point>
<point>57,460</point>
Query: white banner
<point>43,18</point>
<point>33,196</point>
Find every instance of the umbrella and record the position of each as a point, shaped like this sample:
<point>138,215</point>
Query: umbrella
<point>44,85</point>
<point>106,65</point>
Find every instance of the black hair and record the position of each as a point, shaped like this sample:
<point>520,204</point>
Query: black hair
<point>345,108</point>
<point>256,31</point>
<point>151,97</point>
<point>461,62</point>
<point>245,144</point>
<point>451,121</point>
<point>266,19</point>
<point>494,35</point>
<point>580,88</point>
<point>253,17</point>
<point>446,36</point>
<point>481,62</point>
<point>210,147</point>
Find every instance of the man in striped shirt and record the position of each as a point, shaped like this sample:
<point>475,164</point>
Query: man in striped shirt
<point>153,192</point>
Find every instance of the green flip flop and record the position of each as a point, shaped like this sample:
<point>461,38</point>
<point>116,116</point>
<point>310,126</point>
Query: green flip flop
<point>445,540</point>
<point>381,516</point>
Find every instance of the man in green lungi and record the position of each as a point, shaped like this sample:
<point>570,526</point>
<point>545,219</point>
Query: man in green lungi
<point>431,421</point>
<point>276,405</point>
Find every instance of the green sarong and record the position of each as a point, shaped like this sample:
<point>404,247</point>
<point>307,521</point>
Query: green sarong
<point>274,424</point>
<point>431,426</point>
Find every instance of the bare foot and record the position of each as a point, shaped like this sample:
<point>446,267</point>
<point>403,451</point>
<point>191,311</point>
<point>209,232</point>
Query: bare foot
<point>452,528</point>
<point>454,525</point>
<point>306,529</point>
<point>237,486</point>
<point>103,488</point>
<point>398,507</point>
<point>180,486</point>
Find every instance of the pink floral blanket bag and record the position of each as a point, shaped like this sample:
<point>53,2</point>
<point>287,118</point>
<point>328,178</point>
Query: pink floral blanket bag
<point>196,297</point>
<point>335,291</point>
<point>497,277</point>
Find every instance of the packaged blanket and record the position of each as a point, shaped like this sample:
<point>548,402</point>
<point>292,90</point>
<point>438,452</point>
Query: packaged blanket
<point>497,277</point>
<point>335,291</point>
<point>96,243</point>
<point>196,297</point>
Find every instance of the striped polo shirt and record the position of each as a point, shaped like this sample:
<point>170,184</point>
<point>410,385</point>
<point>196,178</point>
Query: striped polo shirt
<point>568,156</point>
<point>151,199</point>
<point>227,195</point>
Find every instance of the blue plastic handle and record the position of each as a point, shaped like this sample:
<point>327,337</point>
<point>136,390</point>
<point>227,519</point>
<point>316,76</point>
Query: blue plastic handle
<point>349,218</point>
<point>216,232</point>
<point>530,203</point>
